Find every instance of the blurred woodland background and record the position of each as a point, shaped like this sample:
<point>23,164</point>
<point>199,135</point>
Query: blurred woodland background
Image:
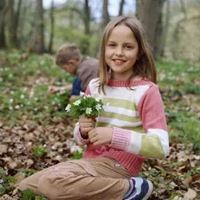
<point>172,26</point>
<point>35,131</point>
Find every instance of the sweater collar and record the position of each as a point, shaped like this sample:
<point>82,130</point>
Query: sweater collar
<point>127,83</point>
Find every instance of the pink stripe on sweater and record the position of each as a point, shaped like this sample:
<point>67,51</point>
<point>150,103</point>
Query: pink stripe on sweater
<point>151,110</point>
<point>119,139</point>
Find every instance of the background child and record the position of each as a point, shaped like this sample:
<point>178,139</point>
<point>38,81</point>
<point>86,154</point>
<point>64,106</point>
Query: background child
<point>82,68</point>
<point>131,128</point>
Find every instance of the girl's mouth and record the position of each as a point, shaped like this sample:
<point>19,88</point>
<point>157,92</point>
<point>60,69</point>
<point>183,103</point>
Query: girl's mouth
<point>118,61</point>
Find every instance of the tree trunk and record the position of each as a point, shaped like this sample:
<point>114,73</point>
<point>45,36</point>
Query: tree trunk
<point>150,14</point>
<point>50,46</point>
<point>2,24</point>
<point>87,17</point>
<point>105,13</point>
<point>121,6</point>
<point>17,15</point>
<point>12,35</point>
<point>165,29</point>
<point>178,29</point>
<point>183,9</point>
<point>13,21</point>
<point>137,8</point>
<point>37,41</point>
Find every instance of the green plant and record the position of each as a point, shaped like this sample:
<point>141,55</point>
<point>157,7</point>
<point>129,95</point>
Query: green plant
<point>27,195</point>
<point>85,105</point>
<point>28,95</point>
<point>76,152</point>
<point>27,172</point>
<point>179,83</point>
<point>30,195</point>
<point>39,151</point>
<point>6,182</point>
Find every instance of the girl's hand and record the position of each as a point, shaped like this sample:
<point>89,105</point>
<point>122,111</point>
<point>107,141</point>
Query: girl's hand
<point>100,135</point>
<point>86,125</point>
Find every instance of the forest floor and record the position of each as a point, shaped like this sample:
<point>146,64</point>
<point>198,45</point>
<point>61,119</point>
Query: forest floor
<point>35,131</point>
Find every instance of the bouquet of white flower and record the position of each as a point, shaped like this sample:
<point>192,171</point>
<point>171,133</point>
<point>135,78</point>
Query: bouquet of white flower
<point>85,105</point>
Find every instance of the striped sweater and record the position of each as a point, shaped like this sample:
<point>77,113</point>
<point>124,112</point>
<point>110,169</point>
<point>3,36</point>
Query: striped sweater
<point>135,113</point>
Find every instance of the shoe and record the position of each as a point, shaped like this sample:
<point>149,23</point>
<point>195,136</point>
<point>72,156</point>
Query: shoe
<point>139,189</point>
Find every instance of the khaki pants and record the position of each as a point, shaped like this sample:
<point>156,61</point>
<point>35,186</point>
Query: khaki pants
<point>85,179</point>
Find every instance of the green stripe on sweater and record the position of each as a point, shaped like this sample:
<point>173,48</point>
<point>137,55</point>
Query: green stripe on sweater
<point>123,117</point>
<point>130,105</point>
<point>151,147</point>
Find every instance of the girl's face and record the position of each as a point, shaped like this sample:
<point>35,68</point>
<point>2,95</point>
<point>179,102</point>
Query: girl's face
<point>121,52</point>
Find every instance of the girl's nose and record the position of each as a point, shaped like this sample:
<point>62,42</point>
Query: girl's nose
<point>119,51</point>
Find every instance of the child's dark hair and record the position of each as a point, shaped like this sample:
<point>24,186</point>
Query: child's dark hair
<point>66,52</point>
<point>144,66</point>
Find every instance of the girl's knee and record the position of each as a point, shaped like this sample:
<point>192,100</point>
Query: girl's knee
<point>49,187</point>
<point>44,186</point>
<point>57,187</point>
<point>28,183</point>
<point>23,185</point>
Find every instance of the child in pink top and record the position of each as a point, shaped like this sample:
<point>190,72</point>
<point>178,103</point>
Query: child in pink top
<point>131,128</point>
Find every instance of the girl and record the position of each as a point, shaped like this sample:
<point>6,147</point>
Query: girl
<point>131,128</point>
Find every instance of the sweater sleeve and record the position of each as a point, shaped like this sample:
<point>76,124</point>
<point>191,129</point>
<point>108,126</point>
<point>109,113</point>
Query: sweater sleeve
<point>77,136</point>
<point>154,143</point>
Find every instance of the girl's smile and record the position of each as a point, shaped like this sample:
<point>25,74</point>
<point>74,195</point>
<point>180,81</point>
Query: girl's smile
<point>118,61</point>
<point>121,52</point>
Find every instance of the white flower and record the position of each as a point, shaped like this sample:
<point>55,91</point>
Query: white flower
<point>82,94</point>
<point>17,107</point>
<point>97,99</point>
<point>22,96</point>
<point>75,148</point>
<point>86,105</point>
<point>88,111</point>
<point>68,108</point>
<point>46,107</point>
<point>78,102</point>
<point>98,107</point>
<point>10,108</point>
<point>86,96</point>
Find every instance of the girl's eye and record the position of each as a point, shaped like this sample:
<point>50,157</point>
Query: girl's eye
<point>111,44</point>
<point>128,47</point>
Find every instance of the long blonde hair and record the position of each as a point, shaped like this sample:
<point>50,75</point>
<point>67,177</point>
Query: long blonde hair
<point>144,66</point>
